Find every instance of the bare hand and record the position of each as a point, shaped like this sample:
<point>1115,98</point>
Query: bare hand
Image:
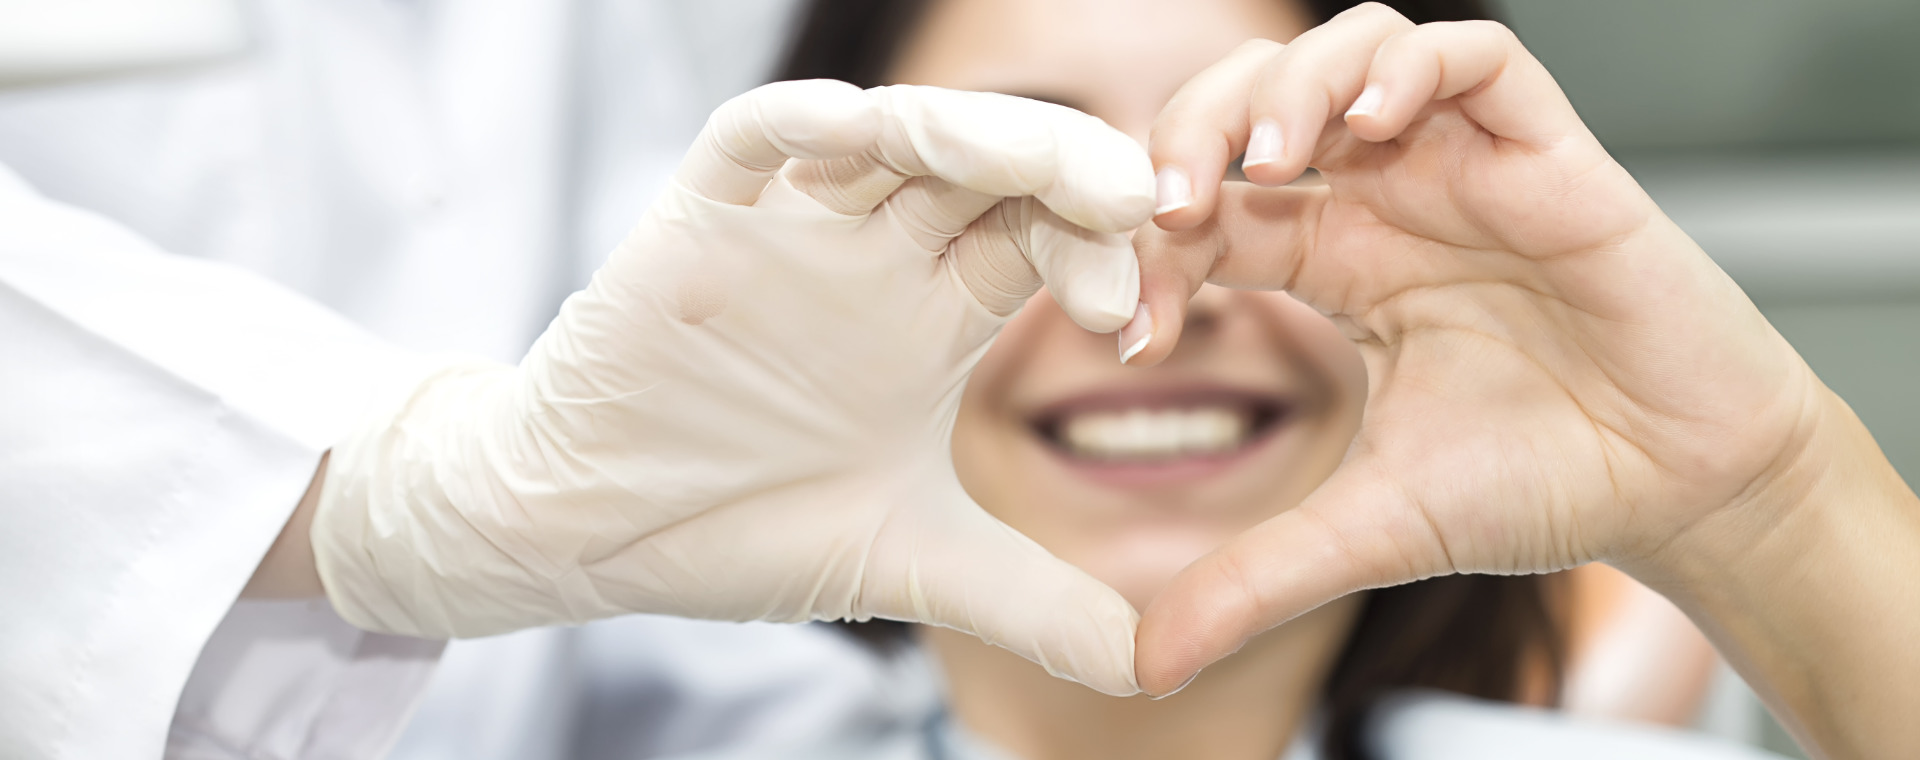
<point>1557,374</point>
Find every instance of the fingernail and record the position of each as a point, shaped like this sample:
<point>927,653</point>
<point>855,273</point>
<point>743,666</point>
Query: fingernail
<point>1368,103</point>
<point>1173,190</point>
<point>1177,689</point>
<point>1134,337</point>
<point>1263,144</point>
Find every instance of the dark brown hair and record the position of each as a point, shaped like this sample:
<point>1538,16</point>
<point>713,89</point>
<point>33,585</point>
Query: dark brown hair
<point>1486,636</point>
<point>857,40</point>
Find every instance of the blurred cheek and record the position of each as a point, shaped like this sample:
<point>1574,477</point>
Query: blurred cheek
<point>987,385</point>
<point>1140,560</point>
<point>985,434</point>
<point>1321,344</point>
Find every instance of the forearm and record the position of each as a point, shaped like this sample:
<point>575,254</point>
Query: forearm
<point>288,570</point>
<point>1819,610</point>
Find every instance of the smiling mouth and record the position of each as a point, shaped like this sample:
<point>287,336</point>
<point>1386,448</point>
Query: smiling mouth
<point>1157,431</point>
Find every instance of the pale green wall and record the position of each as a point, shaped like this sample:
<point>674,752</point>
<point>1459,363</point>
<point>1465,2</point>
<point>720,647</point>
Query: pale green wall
<point>1733,74</point>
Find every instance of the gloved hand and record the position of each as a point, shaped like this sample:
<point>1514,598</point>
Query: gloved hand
<point>746,415</point>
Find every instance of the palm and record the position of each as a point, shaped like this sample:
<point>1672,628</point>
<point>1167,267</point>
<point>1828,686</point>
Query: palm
<point>1530,396</point>
<point>1557,374</point>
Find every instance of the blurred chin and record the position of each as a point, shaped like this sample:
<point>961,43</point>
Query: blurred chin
<point>1139,561</point>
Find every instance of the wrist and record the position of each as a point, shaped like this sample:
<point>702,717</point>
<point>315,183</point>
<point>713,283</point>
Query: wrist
<point>288,570</point>
<point>1828,481</point>
<point>1802,584</point>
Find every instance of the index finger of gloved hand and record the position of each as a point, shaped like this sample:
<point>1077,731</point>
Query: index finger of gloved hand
<point>748,139</point>
<point>1349,535</point>
<point>1200,131</point>
<point>1500,85</point>
<point>1086,171</point>
<point>1256,241</point>
<point>967,571</point>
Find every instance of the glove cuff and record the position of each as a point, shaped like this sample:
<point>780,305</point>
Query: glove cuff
<point>392,544</point>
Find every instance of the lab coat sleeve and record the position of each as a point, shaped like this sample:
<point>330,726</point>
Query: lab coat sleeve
<point>160,417</point>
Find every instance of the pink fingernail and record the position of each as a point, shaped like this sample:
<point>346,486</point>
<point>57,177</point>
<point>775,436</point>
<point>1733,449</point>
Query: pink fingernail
<point>1173,190</point>
<point>1134,337</point>
<point>1264,144</point>
<point>1369,102</point>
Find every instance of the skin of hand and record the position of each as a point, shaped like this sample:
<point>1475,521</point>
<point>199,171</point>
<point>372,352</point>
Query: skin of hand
<point>287,571</point>
<point>1557,374</point>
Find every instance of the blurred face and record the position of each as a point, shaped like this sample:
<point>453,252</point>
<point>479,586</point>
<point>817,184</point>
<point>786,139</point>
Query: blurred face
<point>1133,473</point>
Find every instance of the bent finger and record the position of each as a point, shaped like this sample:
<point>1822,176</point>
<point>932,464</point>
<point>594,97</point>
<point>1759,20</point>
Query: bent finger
<point>1258,240</point>
<point>1008,253</point>
<point>934,211</point>
<point>1500,85</point>
<point>850,185</point>
<point>1200,131</point>
<point>749,138</point>
<point>1317,76</point>
<point>1084,170</point>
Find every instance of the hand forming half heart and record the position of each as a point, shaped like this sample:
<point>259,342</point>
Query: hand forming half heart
<point>1557,373</point>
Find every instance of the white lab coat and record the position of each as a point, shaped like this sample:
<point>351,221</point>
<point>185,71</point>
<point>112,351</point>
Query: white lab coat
<point>438,174</point>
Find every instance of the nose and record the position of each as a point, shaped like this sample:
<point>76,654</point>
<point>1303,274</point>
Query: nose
<point>1204,312</point>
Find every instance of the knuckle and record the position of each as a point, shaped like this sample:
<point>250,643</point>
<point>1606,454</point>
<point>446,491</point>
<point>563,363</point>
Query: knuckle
<point>1415,43</point>
<point>1366,10</point>
<point>1244,601</point>
<point>1256,48</point>
<point>1172,132</point>
<point>1178,130</point>
<point>1489,30</point>
<point>1375,12</point>
<point>1496,28</point>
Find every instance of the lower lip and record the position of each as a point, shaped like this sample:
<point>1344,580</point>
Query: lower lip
<point>1137,474</point>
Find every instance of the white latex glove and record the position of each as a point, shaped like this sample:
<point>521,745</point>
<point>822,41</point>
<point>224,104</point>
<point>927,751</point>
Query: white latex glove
<point>746,416</point>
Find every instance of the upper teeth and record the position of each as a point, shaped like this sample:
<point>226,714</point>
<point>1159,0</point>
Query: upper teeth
<point>1154,433</point>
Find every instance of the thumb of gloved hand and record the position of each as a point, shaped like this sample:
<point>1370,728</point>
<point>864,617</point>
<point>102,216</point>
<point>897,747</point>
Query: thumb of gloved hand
<point>946,562</point>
